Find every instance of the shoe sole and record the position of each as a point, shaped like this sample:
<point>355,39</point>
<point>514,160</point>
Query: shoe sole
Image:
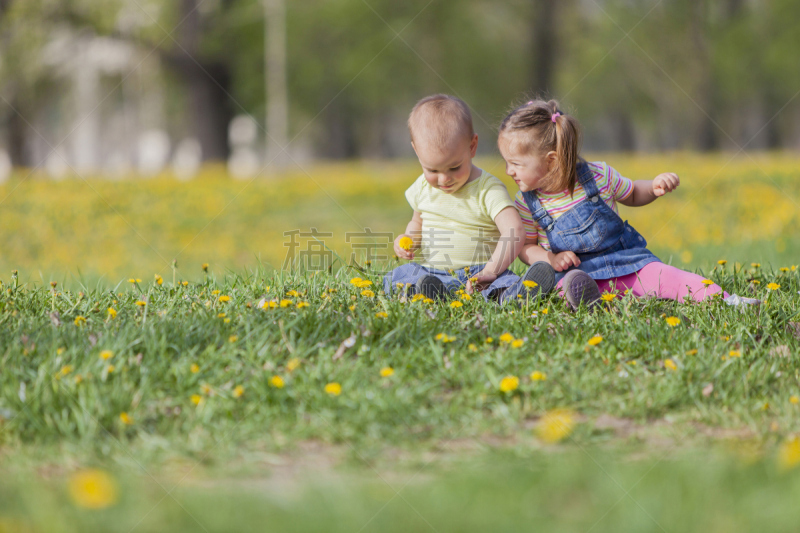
<point>543,275</point>
<point>581,288</point>
<point>431,287</point>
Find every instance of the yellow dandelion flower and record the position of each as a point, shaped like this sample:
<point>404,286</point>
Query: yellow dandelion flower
<point>78,379</point>
<point>517,343</point>
<point>789,453</point>
<point>233,338</point>
<point>205,388</point>
<point>366,293</point>
<point>594,341</point>
<point>238,391</point>
<point>106,354</point>
<point>506,337</point>
<point>530,284</point>
<point>755,265</point>
<point>773,286</point>
<point>607,297</point>
<point>224,298</point>
<point>381,314</point>
<point>735,353</point>
<point>456,304</point>
<point>277,382</point>
<point>466,297</point>
<point>215,292</point>
<point>92,489</point>
<point>286,303</point>
<point>784,269</point>
<point>221,315</point>
<point>65,370</point>
<point>538,376</point>
<point>269,305</point>
<point>692,352</point>
<point>755,282</point>
<point>334,389</point>
<point>292,364</point>
<point>355,281</point>
<point>387,371</point>
<point>301,305</point>
<point>794,400</point>
<point>673,321</point>
<point>670,365</point>
<point>196,399</point>
<point>59,351</point>
<point>112,313</point>
<point>555,425</point>
<point>80,320</point>
<point>406,243</point>
<point>352,307</point>
<point>364,283</point>
<point>126,418</point>
<point>794,268</point>
<point>545,310</point>
<point>194,369</point>
<point>185,283</point>
<point>292,293</point>
<point>226,320</point>
<point>722,262</point>
<point>159,280</point>
<point>707,282</point>
<point>428,300</point>
<point>132,280</point>
<point>509,384</point>
<point>489,340</point>
<point>110,369</point>
<point>204,266</point>
<point>472,348</point>
<point>141,303</point>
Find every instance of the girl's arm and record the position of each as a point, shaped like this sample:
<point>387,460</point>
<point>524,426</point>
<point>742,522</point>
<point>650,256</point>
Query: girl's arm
<point>414,232</point>
<point>532,252</point>
<point>512,235</point>
<point>646,191</point>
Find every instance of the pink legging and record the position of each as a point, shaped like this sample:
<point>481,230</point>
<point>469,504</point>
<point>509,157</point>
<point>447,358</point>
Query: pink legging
<point>660,281</point>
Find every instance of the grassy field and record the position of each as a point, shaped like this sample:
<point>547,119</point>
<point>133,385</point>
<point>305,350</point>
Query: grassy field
<point>175,401</point>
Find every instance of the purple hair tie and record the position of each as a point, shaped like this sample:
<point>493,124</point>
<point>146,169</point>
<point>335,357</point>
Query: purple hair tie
<point>555,116</point>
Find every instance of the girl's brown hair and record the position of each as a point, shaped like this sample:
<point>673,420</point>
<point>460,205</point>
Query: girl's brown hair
<point>541,127</point>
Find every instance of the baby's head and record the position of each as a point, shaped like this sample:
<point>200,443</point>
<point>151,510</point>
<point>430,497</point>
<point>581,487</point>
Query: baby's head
<point>444,140</point>
<point>540,144</point>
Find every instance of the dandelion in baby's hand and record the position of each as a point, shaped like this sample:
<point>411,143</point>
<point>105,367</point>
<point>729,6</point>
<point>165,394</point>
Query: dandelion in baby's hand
<point>277,382</point>
<point>555,425</point>
<point>406,243</point>
<point>673,321</point>
<point>456,304</point>
<point>670,365</point>
<point>387,371</point>
<point>594,341</point>
<point>538,376</point>
<point>607,297</point>
<point>773,286</point>
<point>530,284</point>
<point>159,280</point>
<point>334,389</point>
<point>92,489</point>
<point>238,391</point>
<point>126,418</point>
<point>707,282</point>
<point>509,384</point>
<point>106,354</point>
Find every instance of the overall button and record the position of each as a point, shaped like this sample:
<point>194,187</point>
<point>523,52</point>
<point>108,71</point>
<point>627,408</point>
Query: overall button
<point>594,199</point>
<point>641,238</point>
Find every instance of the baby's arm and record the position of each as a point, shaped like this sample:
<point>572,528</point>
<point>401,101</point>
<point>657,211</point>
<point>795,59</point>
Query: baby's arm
<point>508,247</point>
<point>532,252</point>
<point>413,232</point>
<point>646,191</point>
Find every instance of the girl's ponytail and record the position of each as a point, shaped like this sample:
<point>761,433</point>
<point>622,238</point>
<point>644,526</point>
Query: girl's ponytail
<point>539,126</point>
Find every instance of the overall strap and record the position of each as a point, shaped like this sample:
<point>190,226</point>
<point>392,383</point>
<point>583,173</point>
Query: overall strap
<point>538,212</point>
<point>586,179</point>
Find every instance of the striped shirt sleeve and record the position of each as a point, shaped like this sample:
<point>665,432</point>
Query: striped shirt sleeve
<point>530,225</point>
<point>621,186</point>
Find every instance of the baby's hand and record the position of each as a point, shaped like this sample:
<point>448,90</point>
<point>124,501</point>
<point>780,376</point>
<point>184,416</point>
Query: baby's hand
<point>403,246</point>
<point>480,281</point>
<point>664,183</point>
<point>562,261</point>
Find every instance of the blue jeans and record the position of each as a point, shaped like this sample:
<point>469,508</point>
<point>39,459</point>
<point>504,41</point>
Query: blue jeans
<point>412,272</point>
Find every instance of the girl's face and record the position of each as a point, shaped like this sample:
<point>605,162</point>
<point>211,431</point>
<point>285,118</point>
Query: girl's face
<point>529,170</point>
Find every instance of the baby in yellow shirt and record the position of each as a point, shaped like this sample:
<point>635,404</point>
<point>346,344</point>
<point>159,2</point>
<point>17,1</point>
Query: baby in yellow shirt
<point>465,229</point>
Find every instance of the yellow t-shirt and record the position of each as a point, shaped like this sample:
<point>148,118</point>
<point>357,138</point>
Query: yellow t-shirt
<point>458,229</point>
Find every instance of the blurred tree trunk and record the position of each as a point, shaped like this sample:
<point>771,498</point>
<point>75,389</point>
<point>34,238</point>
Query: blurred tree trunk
<point>206,82</point>
<point>707,138</point>
<point>545,46</point>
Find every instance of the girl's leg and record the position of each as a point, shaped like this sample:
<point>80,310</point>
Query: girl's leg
<point>663,281</point>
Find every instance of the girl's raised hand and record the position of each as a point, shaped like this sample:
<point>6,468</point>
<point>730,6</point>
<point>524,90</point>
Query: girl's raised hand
<point>664,183</point>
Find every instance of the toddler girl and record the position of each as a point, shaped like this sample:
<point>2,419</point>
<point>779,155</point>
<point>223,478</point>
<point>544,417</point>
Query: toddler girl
<point>569,210</point>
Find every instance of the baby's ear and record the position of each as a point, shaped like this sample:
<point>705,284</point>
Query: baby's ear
<point>473,145</point>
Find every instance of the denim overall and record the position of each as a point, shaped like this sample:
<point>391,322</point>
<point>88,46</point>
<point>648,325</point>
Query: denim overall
<point>607,246</point>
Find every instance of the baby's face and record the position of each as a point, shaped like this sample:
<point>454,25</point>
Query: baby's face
<point>529,170</point>
<point>447,169</point>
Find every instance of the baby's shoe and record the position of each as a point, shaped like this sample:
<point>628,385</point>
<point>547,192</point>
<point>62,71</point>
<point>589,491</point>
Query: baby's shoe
<point>540,278</point>
<point>580,288</point>
<point>431,287</point>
